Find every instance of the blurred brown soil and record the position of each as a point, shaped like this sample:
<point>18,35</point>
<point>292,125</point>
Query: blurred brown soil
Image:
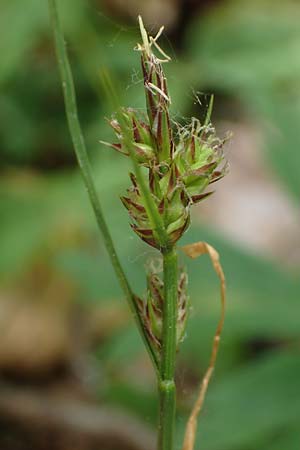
<point>45,400</point>
<point>34,419</point>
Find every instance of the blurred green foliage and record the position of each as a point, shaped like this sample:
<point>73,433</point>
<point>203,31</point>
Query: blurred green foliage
<point>244,50</point>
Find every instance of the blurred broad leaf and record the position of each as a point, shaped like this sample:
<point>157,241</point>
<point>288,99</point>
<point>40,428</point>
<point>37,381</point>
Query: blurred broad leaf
<point>251,51</point>
<point>257,400</point>
<point>245,44</point>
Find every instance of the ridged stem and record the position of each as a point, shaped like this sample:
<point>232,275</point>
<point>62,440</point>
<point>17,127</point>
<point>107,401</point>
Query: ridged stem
<point>84,165</point>
<point>166,387</point>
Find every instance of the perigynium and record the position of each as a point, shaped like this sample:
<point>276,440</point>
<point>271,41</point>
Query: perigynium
<point>173,166</point>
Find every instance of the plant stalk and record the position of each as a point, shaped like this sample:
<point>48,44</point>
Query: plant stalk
<point>85,168</point>
<point>167,388</point>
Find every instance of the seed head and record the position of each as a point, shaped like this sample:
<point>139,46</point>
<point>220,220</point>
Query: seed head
<point>151,308</point>
<point>180,165</point>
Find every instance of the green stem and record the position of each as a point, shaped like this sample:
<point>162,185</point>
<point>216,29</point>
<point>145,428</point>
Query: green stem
<point>167,388</point>
<point>84,164</point>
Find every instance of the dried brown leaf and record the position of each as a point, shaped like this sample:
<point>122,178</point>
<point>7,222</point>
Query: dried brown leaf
<point>194,251</point>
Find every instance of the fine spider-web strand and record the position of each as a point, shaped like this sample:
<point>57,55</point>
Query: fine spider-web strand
<point>133,29</point>
<point>136,77</point>
<point>149,254</point>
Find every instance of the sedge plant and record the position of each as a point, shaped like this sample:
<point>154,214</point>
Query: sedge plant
<point>173,166</point>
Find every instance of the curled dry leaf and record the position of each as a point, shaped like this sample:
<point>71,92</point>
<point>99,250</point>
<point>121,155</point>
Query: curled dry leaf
<point>193,251</point>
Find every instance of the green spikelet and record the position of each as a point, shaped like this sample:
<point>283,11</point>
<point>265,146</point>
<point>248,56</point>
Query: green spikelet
<point>179,169</point>
<point>151,308</point>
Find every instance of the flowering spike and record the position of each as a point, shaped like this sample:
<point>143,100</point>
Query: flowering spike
<point>180,167</point>
<point>151,307</point>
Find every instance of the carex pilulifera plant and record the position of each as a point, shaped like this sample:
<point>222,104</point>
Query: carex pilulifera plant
<point>180,163</point>
<point>173,166</point>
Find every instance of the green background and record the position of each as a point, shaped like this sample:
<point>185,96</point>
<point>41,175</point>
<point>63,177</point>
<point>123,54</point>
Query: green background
<point>248,53</point>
